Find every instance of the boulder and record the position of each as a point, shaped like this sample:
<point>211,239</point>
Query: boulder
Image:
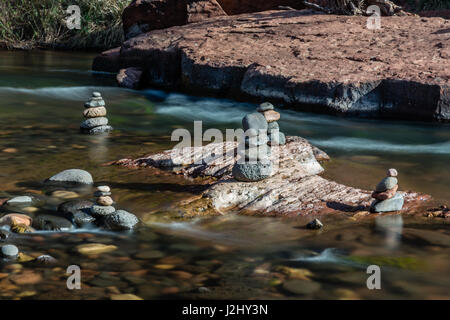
<point>121,220</point>
<point>51,223</point>
<point>75,176</point>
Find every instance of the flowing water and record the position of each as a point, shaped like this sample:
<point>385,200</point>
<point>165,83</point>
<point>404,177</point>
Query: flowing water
<point>41,104</point>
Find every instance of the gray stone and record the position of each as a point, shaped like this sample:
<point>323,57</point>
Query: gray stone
<point>386,184</point>
<point>45,259</point>
<point>393,204</point>
<point>273,126</point>
<point>261,152</point>
<point>265,106</point>
<point>277,139</point>
<point>52,223</point>
<point>4,235</point>
<point>97,210</point>
<point>392,173</point>
<point>121,220</point>
<point>73,176</point>
<point>254,121</point>
<point>101,129</point>
<point>104,188</point>
<point>301,287</point>
<point>249,172</point>
<point>20,200</point>
<point>93,122</point>
<point>256,140</point>
<point>77,211</point>
<point>315,224</point>
<point>96,94</point>
<point>101,194</point>
<point>9,251</point>
<point>94,103</point>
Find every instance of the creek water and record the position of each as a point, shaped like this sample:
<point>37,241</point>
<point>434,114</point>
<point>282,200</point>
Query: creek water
<point>41,104</point>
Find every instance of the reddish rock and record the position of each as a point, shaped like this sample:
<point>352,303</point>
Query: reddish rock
<point>232,7</point>
<point>129,78</point>
<point>385,195</point>
<point>107,61</point>
<point>313,62</point>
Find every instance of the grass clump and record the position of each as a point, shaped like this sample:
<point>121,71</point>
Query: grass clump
<point>27,24</point>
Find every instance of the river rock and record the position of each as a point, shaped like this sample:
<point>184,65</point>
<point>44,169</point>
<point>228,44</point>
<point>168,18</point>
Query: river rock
<point>52,223</point>
<point>392,173</point>
<point>104,188</point>
<point>256,140</point>
<point>121,220</point>
<point>105,201</point>
<point>315,224</point>
<point>101,129</point>
<point>277,138</point>
<point>4,235</point>
<point>93,122</point>
<point>9,251</point>
<point>386,194</point>
<point>94,103</point>
<point>101,194</point>
<point>95,248</point>
<point>254,121</point>
<point>265,106</point>
<point>77,176</point>
<point>271,115</point>
<point>15,218</point>
<point>386,184</point>
<point>94,112</point>
<point>393,204</point>
<point>249,172</point>
<point>273,126</point>
<point>97,210</point>
<point>21,200</point>
<point>301,287</point>
<point>45,260</point>
<point>77,211</point>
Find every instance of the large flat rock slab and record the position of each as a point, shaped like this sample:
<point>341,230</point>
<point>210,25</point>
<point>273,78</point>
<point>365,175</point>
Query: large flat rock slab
<point>294,189</point>
<point>315,62</point>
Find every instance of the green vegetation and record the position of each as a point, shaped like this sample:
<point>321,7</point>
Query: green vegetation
<point>42,23</point>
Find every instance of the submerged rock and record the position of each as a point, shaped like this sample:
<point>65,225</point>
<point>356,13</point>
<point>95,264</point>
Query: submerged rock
<point>101,129</point>
<point>76,176</point>
<point>393,204</point>
<point>21,200</point>
<point>95,248</point>
<point>52,223</point>
<point>315,224</point>
<point>121,220</point>
<point>9,251</point>
<point>77,211</point>
<point>4,235</point>
<point>45,259</point>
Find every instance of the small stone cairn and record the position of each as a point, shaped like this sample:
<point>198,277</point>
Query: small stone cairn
<point>107,215</point>
<point>273,128</point>
<point>386,196</point>
<point>254,163</point>
<point>95,114</point>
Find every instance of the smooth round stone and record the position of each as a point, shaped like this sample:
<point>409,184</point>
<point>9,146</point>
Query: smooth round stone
<point>45,259</point>
<point>273,126</point>
<point>96,94</point>
<point>277,139</point>
<point>392,173</point>
<point>63,194</point>
<point>254,121</point>
<point>256,141</point>
<point>102,210</point>
<point>393,204</point>
<point>248,172</point>
<point>101,129</point>
<point>271,115</point>
<point>265,106</point>
<point>77,211</point>
<point>93,103</point>
<point>121,220</point>
<point>301,287</point>
<point>386,184</point>
<point>52,223</point>
<point>95,112</point>
<point>73,176</point>
<point>103,188</point>
<point>101,194</point>
<point>105,201</point>
<point>94,122</point>
<point>9,251</point>
<point>20,200</point>
<point>15,218</point>
<point>95,248</point>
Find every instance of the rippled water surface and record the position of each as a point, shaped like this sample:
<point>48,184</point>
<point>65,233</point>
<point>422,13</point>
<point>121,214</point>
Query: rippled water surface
<point>41,104</point>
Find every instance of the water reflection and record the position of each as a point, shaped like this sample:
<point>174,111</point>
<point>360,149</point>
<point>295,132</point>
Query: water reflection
<point>391,226</point>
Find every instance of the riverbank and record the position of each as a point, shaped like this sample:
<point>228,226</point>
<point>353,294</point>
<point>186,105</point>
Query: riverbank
<point>292,57</point>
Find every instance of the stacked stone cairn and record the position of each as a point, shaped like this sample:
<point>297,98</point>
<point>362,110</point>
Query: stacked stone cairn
<point>95,114</point>
<point>273,129</point>
<point>107,215</point>
<point>386,196</point>
<point>254,163</point>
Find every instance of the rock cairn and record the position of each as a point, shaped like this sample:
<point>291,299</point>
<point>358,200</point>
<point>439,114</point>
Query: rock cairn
<point>95,114</point>
<point>273,129</point>
<point>386,196</point>
<point>107,215</point>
